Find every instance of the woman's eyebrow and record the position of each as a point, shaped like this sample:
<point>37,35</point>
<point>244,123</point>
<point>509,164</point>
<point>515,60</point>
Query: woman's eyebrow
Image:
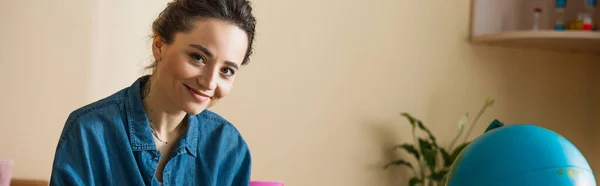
<point>234,65</point>
<point>202,48</point>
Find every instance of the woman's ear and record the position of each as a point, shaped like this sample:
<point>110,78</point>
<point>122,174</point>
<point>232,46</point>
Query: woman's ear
<point>157,47</point>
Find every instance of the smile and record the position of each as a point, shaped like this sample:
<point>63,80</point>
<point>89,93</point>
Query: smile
<point>197,95</point>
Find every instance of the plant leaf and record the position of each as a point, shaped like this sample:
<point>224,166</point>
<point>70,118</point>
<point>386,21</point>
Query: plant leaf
<point>414,122</point>
<point>438,176</point>
<point>398,163</point>
<point>447,157</point>
<point>429,153</point>
<point>422,127</point>
<point>410,119</point>
<point>410,149</point>
<point>457,151</point>
<point>414,181</point>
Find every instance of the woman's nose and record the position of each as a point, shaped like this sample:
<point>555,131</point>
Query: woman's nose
<point>208,79</point>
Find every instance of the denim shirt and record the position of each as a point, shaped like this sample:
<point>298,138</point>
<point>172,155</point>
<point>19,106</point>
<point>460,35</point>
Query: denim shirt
<point>109,142</point>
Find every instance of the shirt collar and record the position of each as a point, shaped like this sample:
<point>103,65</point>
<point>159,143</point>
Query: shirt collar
<point>190,139</point>
<point>140,134</point>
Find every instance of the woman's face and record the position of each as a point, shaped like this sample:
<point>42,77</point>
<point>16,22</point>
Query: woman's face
<point>199,67</point>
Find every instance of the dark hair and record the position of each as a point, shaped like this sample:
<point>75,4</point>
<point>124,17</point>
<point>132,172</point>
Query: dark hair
<point>179,16</point>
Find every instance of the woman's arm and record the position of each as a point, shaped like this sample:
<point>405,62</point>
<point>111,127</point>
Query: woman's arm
<point>71,164</point>
<point>243,173</point>
<point>234,161</point>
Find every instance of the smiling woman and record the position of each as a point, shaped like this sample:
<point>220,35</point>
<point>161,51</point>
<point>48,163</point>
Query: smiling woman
<point>158,130</point>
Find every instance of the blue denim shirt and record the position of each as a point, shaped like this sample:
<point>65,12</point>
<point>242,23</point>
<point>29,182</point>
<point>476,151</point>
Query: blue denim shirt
<point>109,142</point>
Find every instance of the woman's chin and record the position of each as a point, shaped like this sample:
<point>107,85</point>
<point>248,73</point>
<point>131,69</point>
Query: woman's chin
<point>194,108</point>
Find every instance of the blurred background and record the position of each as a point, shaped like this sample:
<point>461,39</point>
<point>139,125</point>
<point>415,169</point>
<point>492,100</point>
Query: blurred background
<point>319,102</point>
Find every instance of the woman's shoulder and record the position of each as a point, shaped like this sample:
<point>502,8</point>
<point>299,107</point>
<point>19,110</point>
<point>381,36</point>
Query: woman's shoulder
<point>211,122</point>
<point>96,116</point>
<point>213,117</point>
<point>108,104</point>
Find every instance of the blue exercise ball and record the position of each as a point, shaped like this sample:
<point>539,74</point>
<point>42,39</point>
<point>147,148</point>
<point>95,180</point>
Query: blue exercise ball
<point>520,155</point>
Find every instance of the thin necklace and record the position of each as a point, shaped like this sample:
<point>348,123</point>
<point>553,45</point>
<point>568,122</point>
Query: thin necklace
<point>156,136</point>
<point>145,92</point>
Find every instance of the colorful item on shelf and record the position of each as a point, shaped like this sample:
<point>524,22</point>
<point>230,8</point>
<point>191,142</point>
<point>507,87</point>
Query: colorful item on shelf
<point>577,24</point>
<point>587,24</point>
<point>536,18</point>
<point>585,20</point>
<point>559,22</point>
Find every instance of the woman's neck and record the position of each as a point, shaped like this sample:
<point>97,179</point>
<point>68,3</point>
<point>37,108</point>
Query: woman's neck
<point>164,117</point>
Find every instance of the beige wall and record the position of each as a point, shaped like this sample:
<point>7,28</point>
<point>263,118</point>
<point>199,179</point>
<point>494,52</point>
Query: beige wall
<point>120,43</point>
<point>319,101</point>
<point>44,62</point>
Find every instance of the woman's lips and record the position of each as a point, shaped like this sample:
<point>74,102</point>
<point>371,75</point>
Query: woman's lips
<point>200,97</point>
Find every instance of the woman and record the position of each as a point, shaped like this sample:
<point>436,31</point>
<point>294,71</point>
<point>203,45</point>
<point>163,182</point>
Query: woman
<point>158,131</point>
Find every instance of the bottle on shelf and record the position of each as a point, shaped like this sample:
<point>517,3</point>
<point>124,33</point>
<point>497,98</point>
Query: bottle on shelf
<point>559,20</point>
<point>588,23</point>
<point>536,18</point>
<point>577,24</point>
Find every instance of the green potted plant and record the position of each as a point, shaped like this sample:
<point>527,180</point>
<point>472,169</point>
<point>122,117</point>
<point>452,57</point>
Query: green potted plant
<point>433,161</point>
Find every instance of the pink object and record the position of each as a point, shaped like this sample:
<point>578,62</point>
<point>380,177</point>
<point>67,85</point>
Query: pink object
<point>6,167</point>
<point>265,183</point>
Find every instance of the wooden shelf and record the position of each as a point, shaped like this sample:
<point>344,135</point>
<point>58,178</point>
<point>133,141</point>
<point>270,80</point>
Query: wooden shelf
<point>576,41</point>
<point>508,23</point>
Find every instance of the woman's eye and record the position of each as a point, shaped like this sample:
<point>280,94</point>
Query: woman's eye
<point>228,71</point>
<point>197,57</point>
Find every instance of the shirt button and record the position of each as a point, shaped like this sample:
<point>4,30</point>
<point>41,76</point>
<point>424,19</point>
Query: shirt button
<point>155,159</point>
